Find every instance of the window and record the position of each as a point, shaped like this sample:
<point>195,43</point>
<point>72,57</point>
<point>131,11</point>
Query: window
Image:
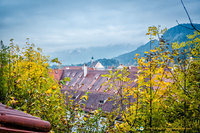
<point>80,75</point>
<point>97,76</point>
<point>75,97</point>
<point>73,84</point>
<point>89,88</point>
<point>68,74</point>
<point>103,101</point>
<point>73,74</point>
<point>98,88</point>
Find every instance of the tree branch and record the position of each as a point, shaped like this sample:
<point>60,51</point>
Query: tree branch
<point>189,17</point>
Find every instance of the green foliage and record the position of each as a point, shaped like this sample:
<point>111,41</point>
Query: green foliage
<point>79,120</point>
<point>120,83</point>
<point>167,91</point>
<point>55,60</point>
<point>3,70</point>
<point>66,79</point>
<point>32,88</point>
<point>186,86</point>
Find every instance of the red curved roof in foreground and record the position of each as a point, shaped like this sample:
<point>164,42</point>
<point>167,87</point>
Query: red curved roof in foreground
<point>15,121</point>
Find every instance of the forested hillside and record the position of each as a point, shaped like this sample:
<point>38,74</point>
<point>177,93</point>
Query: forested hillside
<point>175,34</point>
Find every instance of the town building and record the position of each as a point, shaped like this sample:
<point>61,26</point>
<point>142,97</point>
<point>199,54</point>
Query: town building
<point>121,66</point>
<point>85,79</point>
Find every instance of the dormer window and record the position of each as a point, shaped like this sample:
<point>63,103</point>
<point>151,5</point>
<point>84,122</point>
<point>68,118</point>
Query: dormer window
<point>68,74</point>
<point>80,85</point>
<point>80,75</point>
<point>89,88</point>
<point>97,88</point>
<point>75,97</point>
<point>103,101</point>
<point>67,83</point>
<point>73,85</point>
<point>97,76</point>
<point>73,74</point>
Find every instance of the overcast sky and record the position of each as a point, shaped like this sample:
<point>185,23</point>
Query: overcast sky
<point>55,25</point>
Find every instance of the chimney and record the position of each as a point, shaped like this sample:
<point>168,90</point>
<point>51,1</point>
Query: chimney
<point>85,70</point>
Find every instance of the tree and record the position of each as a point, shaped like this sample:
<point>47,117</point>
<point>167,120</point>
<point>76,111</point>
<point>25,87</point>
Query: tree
<point>32,88</point>
<point>3,70</point>
<point>167,91</point>
<point>119,82</point>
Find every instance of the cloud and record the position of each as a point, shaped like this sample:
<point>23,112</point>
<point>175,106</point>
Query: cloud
<point>72,24</point>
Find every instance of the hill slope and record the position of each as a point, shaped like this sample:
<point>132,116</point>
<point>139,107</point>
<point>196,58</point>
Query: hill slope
<point>175,34</point>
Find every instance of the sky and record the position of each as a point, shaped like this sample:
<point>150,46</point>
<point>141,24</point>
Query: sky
<point>54,25</point>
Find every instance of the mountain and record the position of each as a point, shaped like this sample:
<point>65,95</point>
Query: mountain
<point>83,55</point>
<point>127,59</point>
<point>175,34</point>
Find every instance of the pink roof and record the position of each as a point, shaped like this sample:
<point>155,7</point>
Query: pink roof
<point>57,74</point>
<point>92,83</point>
<point>75,68</point>
<point>15,121</point>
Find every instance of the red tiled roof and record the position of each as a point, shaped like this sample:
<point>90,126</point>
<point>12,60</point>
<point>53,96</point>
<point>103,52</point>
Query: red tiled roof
<point>15,121</point>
